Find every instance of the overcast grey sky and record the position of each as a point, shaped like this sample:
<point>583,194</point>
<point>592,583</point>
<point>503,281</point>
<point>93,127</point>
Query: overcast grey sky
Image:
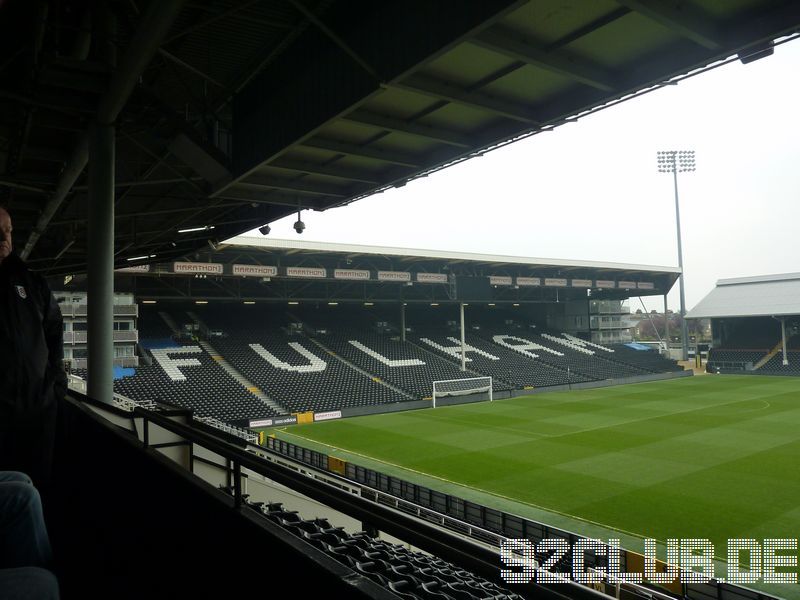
<point>591,190</point>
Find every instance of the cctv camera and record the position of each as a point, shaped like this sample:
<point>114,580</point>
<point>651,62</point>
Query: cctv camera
<point>299,226</point>
<point>264,230</point>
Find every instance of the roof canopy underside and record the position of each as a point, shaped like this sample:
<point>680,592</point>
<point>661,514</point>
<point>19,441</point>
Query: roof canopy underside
<point>244,112</point>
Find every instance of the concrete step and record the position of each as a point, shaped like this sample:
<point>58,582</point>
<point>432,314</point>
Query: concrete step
<point>778,348</point>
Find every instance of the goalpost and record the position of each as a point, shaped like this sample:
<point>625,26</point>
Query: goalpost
<point>462,387</point>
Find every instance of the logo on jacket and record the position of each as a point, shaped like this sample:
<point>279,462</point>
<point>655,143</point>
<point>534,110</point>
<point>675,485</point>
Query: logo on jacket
<point>21,291</point>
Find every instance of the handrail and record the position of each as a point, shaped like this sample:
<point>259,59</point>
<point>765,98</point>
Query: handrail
<point>453,548</point>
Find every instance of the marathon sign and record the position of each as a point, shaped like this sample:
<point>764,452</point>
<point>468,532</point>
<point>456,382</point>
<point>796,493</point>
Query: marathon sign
<point>402,276</point>
<point>135,269</point>
<point>261,423</point>
<point>357,274</point>
<point>194,267</point>
<point>255,271</point>
<point>499,280</point>
<point>307,272</point>
<point>628,285</point>
<point>583,283</point>
<point>605,284</point>
<point>328,416</point>
<point>646,285</point>
<point>431,278</point>
<point>555,282</point>
<point>529,281</point>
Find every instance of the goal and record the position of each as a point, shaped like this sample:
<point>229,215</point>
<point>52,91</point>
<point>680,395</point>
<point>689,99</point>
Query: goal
<point>461,387</point>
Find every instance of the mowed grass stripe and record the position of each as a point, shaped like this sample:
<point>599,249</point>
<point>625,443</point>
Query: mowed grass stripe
<point>710,456</point>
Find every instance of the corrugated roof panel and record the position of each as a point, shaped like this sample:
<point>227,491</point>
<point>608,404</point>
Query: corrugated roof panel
<point>548,21</point>
<point>466,65</point>
<point>623,42</point>
<point>528,83</point>
<point>274,243</point>
<point>398,103</point>
<point>751,297</point>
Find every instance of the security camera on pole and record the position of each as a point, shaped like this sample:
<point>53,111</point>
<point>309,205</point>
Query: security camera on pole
<point>674,161</point>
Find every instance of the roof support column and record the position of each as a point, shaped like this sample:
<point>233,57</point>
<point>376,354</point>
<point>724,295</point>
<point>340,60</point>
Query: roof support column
<point>402,321</point>
<point>463,346</point>
<point>101,262</point>
<point>666,327</point>
<point>783,341</point>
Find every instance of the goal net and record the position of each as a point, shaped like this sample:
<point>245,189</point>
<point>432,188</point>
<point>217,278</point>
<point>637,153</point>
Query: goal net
<point>461,387</point>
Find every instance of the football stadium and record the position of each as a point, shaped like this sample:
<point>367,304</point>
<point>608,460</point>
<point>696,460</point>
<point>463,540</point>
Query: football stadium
<point>252,415</point>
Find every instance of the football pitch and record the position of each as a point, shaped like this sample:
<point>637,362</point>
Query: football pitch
<point>713,457</point>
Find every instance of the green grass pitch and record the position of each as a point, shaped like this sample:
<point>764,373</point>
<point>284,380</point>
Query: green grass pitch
<point>712,457</point>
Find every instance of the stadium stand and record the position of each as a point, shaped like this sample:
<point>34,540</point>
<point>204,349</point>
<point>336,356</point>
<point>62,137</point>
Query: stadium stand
<point>648,360</point>
<point>322,359</point>
<point>400,363</point>
<point>290,368</point>
<point>301,376</point>
<point>409,574</point>
<point>557,350</point>
<point>504,365</point>
<point>151,325</point>
<point>187,376</point>
<point>775,366</point>
<point>717,356</point>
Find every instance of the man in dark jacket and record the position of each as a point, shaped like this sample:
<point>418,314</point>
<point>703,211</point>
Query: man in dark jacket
<point>32,378</point>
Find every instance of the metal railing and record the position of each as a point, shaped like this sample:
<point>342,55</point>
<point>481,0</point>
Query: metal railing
<point>358,501</point>
<point>71,309</point>
<point>489,525</point>
<point>81,337</point>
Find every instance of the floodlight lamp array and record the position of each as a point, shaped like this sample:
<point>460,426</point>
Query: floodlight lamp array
<point>671,161</point>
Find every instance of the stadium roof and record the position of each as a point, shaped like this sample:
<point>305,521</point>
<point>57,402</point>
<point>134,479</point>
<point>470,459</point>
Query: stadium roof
<point>446,256</point>
<point>767,295</point>
<point>235,114</point>
<point>269,269</point>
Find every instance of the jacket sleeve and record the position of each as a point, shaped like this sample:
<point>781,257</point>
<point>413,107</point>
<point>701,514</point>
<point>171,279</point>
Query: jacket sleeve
<point>53,325</point>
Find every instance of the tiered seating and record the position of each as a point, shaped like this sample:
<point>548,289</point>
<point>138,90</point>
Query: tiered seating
<point>151,325</point>
<point>775,366</point>
<point>409,574</point>
<point>504,365</point>
<point>648,360</point>
<point>723,357</point>
<point>201,385</point>
<point>587,363</point>
<point>299,375</point>
<point>409,368</point>
<point>292,369</point>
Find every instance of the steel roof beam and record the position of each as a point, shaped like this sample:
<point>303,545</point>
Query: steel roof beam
<point>424,84</point>
<point>152,29</point>
<point>365,152</point>
<point>408,127</point>
<point>273,198</point>
<point>506,42</point>
<point>345,174</point>
<point>684,21</point>
<point>259,182</point>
